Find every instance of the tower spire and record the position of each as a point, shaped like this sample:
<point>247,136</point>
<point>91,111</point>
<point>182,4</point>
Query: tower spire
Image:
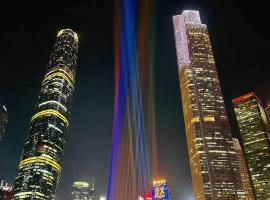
<point>93,182</point>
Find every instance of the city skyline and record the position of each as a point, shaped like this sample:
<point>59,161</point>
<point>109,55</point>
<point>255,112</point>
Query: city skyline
<point>102,78</point>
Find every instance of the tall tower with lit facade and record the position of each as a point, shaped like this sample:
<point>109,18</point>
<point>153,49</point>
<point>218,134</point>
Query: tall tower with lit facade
<point>42,156</point>
<point>3,120</point>
<point>254,130</point>
<point>213,161</point>
<point>243,170</point>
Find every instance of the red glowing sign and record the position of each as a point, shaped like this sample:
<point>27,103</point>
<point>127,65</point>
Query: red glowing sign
<point>147,197</point>
<point>244,97</point>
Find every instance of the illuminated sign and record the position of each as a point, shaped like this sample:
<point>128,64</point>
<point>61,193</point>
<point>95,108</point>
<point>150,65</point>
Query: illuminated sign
<point>147,197</point>
<point>160,190</point>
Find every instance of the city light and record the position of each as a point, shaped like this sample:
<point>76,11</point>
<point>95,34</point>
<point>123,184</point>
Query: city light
<point>42,158</point>
<point>212,157</point>
<point>113,136</point>
<point>102,198</point>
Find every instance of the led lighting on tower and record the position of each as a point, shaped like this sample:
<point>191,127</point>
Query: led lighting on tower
<point>40,166</point>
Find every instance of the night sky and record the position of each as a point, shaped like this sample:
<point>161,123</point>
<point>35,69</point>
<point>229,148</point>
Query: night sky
<point>240,40</point>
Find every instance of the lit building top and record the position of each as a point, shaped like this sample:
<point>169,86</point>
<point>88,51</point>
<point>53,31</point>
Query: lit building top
<point>180,21</point>
<point>244,97</point>
<point>81,191</point>
<point>159,182</point>
<point>81,184</point>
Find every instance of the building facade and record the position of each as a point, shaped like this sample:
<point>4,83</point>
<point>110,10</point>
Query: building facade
<point>5,191</point>
<point>254,130</point>
<point>80,191</point>
<point>243,170</point>
<point>42,156</point>
<point>3,120</point>
<point>213,161</point>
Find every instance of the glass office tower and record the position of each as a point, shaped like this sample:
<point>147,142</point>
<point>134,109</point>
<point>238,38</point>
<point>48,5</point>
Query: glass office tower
<point>243,170</point>
<point>40,165</point>
<point>213,161</point>
<point>254,130</point>
<point>3,120</point>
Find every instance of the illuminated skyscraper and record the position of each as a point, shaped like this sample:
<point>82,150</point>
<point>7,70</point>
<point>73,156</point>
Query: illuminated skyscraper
<point>254,130</point>
<point>243,170</point>
<point>213,161</point>
<point>3,120</point>
<point>40,165</point>
<point>80,191</point>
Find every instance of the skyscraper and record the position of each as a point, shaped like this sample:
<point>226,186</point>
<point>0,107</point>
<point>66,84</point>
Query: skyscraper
<point>254,130</point>
<point>212,156</point>
<point>3,120</point>
<point>40,165</point>
<point>80,191</point>
<point>243,170</point>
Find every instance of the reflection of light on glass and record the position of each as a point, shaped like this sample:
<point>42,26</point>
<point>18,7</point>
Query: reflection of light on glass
<point>102,198</point>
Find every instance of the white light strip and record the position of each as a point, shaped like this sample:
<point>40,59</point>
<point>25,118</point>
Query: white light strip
<point>5,108</point>
<point>54,127</point>
<point>55,102</point>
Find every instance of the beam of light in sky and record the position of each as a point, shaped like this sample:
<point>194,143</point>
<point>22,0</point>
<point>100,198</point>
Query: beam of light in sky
<point>134,128</point>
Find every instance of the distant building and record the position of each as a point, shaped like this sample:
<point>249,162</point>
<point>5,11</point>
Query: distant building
<point>254,130</point>
<point>212,156</point>
<point>243,170</point>
<point>92,194</point>
<point>3,120</point>
<point>5,191</point>
<point>80,191</point>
